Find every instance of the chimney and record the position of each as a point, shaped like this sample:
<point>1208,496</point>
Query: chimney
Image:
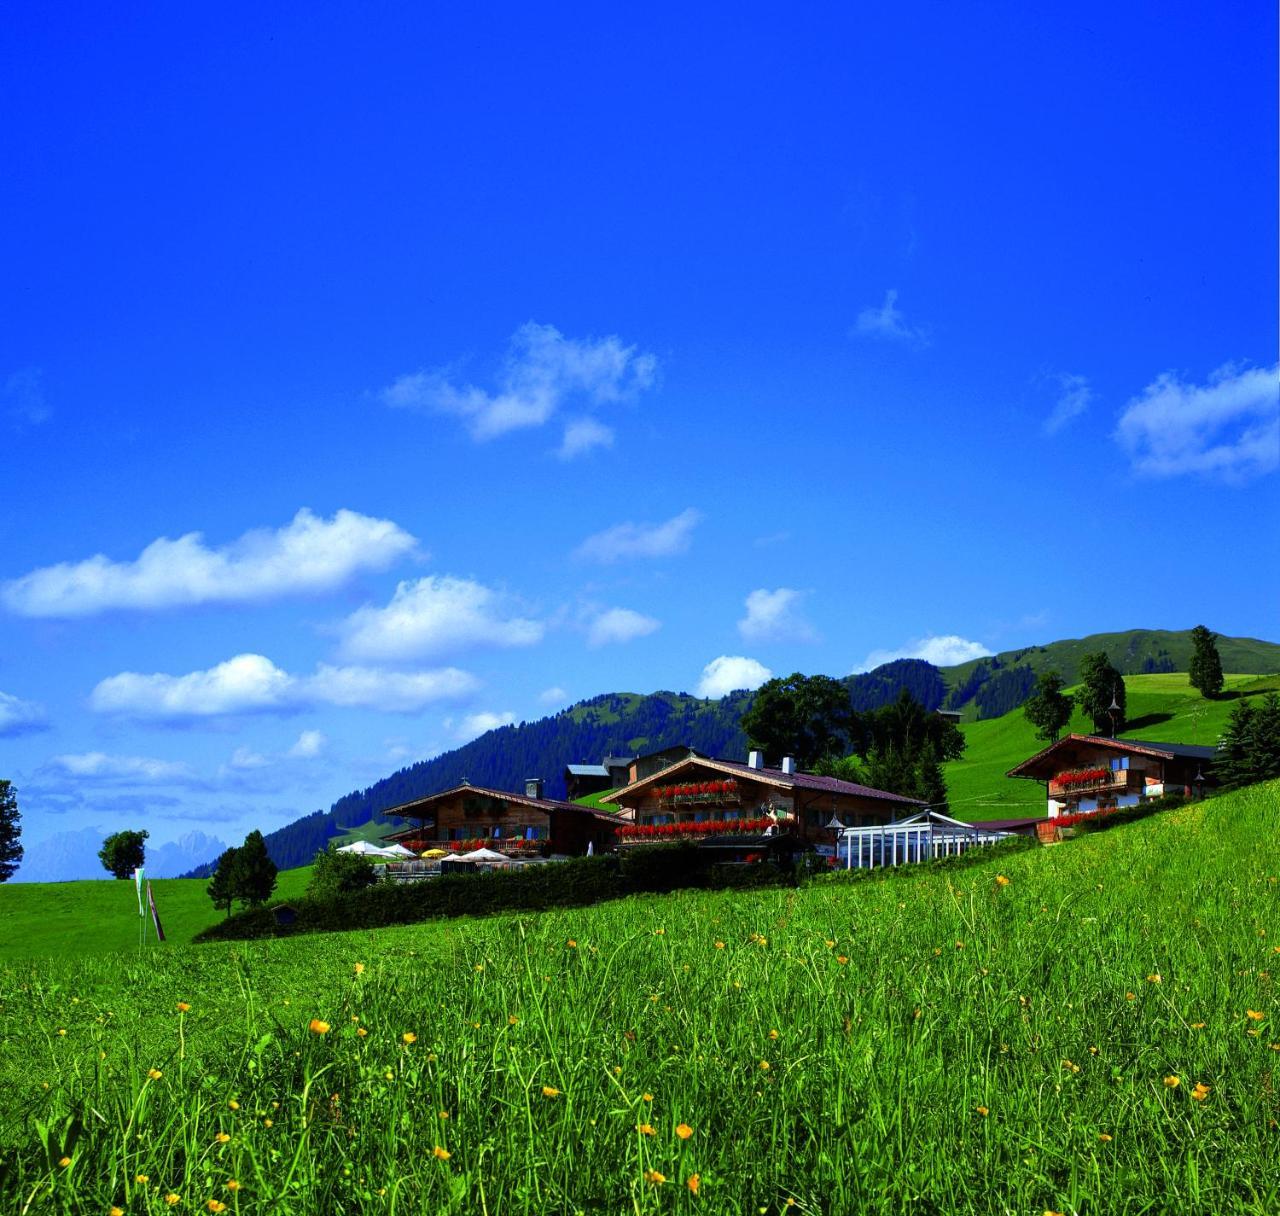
<point>533,787</point>
<point>788,764</point>
<point>755,759</point>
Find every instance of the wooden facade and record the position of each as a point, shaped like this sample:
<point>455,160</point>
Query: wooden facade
<point>699,796</point>
<point>1085,773</point>
<point>503,821</point>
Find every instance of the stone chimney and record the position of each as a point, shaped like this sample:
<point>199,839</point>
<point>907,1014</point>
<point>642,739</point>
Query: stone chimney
<point>533,787</point>
<point>755,759</point>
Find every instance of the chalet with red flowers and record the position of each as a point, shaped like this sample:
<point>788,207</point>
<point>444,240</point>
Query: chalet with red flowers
<point>1088,773</point>
<point>702,798</point>
<point>469,817</point>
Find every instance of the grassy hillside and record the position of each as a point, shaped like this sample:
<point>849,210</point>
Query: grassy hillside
<point>95,918</point>
<point>1094,1028</point>
<point>1162,708</point>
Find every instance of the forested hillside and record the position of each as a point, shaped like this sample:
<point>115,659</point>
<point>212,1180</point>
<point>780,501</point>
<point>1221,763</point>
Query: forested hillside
<point>629,723</point>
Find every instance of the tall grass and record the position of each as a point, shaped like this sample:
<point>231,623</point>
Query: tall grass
<point>940,1043</point>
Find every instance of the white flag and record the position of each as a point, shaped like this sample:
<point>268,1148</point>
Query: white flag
<point>137,879</point>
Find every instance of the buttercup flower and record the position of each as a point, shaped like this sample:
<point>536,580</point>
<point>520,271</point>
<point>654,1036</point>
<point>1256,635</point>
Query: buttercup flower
<point>684,1131</point>
<point>693,1182</point>
<point>1254,1015</point>
<point>64,1162</point>
<point>154,1073</point>
<point>1104,1137</point>
<point>183,1007</point>
<point>359,968</point>
<point>409,1037</point>
<point>215,1205</point>
<point>645,1129</point>
<point>1172,1082</point>
<point>1201,1091</point>
<point>172,1198</point>
<point>654,1178</point>
<point>550,1091</point>
<point>222,1137</point>
<point>319,1027</point>
<point>441,1154</point>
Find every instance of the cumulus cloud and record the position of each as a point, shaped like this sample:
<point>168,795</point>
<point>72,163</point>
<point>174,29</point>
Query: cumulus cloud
<point>553,696</point>
<point>308,746</point>
<point>888,323</point>
<point>434,616</point>
<point>18,717</point>
<point>629,540</point>
<point>475,725</point>
<point>306,556</point>
<point>100,766</point>
<point>1229,427</point>
<point>583,434</point>
<point>730,672</point>
<point>619,625</point>
<point>1074,397</point>
<point>775,616</point>
<point>942,651</point>
<point>251,683</point>
<point>542,371</point>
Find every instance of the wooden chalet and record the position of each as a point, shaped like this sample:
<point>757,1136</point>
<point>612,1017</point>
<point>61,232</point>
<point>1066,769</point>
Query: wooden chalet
<point>516,824</point>
<point>699,797</point>
<point>1084,773</point>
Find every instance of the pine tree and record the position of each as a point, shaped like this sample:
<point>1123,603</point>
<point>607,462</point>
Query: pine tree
<point>1049,708</point>
<point>222,886</point>
<point>1206,663</point>
<point>931,786</point>
<point>1100,684</point>
<point>10,831</point>
<point>255,872</point>
<point>1249,749</point>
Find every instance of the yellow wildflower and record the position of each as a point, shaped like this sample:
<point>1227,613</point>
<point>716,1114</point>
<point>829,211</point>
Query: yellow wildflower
<point>183,1007</point>
<point>773,1034</point>
<point>409,1037</point>
<point>1104,1137</point>
<point>684,1131</point>
<point>215,1205</point>
<point>1254,1015</point>
<point>441,1154</point>
<point>1197,1025</point>
<point>764,1065</point>
<point>319,1027</point>
<point>116,1212</point>
<point>1201,1091</point>
<point>719,946</point>
<point>842,959</point>
<point>154,1073</point>
<point>222,1137</point>
<point>645,1129</point>
<point>1002,880</point>
<point>512,1019</point>
<point>267,1123</point>
<point>232,1184</point>
<point>646,1097</point>
<point>141,1178</point>
<point>361,1032</point>
<point>444,1114</point>
<point>62,1034</point>
<point>571,944</point>
<point>172,1198</point>
<point>1154,978</point>
<point>550,1091</point>
<point>1172,1082</point>
<point>1130,996</point>
<point>359,968</point>
<point>232,1104</point>
<point>982,1110</point>
<point>64,1162</point>
<point>654,1178</point>
<point>693,1182</point>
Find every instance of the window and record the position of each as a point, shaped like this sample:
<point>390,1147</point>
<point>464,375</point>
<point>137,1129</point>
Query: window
<point>1119,764</point>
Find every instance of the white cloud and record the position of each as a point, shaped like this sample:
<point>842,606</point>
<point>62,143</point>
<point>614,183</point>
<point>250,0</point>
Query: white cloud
<point>1229,427</point>
<point>583,434</point>
<point>543,369</point>
<point>553,696</point>
<point>774,616</point>
<point>309,745</point>
<point>629,540</point>
<point>102,767</point>
<point>433,616</point>
<point>1074,397</point>
<point>942,651</point>
<point>245,759</point>
<point>729,673</point>
<point>888,322</point>
<point>306,556</point>
<point>475,725</point>
<point>18,717</point>
<point>619,625</point>
<point>251,683</point>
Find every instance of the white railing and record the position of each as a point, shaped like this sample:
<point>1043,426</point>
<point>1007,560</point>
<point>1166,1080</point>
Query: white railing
<point>913,840</point>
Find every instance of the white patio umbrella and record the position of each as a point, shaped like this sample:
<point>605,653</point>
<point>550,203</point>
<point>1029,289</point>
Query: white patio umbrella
<point>483,855</point>
<point>398,850</point>
<point>367,849</point>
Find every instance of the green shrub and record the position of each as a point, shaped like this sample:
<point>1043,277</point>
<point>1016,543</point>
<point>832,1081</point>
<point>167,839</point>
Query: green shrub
<point>337,873</point>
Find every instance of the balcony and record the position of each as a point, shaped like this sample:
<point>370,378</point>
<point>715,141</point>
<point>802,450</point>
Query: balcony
<point>1115,781</point>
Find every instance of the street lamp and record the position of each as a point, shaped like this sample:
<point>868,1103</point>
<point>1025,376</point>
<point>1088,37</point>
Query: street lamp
<point>1197,783</point>
<point>1112,710</point>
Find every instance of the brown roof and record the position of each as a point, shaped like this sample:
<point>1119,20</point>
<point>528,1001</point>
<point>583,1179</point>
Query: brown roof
<point>411,810</point>
<point>769,776</point>
<point>1133,747</point>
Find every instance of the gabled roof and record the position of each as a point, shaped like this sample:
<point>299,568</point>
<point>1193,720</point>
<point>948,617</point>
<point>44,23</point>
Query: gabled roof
<point>1033,765</point>
<point>413,810</point>
<point>766,776</point>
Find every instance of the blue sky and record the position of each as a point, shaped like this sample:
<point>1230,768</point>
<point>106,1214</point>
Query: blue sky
<point>370,377</point>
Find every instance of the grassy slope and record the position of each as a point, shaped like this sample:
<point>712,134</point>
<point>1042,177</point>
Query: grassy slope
<point>1127,650</point>
<point>899,1007</point>
<point>1162,708</point>
<point>93,918</point>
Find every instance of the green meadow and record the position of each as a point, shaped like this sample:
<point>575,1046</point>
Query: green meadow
<point>1086,1028</point>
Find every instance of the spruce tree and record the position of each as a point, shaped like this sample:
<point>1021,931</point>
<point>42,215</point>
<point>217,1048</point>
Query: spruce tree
<point>10,831</point>
<point>255,872</point>
<point>222,886</point>
<point>1048,709</point>
<point>1206,663</point>
<point>1100,684</point>
<point>931,786</point>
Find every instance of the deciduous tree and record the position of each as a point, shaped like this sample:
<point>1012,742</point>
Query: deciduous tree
<point>1100,684</point>
<point>1048,709</point>
<point>808,717</point>
<point>123,852</point>
<point>1206,664</point>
